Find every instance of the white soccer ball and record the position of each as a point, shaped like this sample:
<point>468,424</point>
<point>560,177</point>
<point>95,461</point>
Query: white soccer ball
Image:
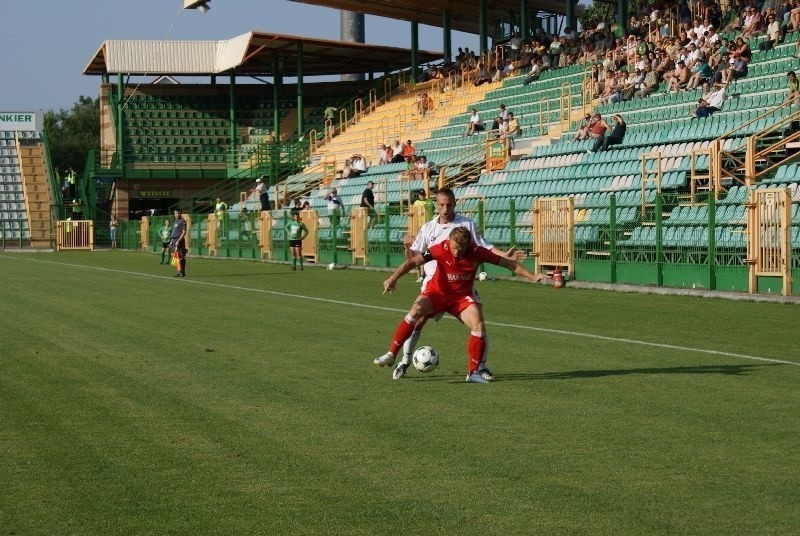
<point>483,276</point>
<point>425,359</point>
<point>331,266</point>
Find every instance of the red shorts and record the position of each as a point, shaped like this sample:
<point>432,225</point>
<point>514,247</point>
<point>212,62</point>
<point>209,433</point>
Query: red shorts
<point>450,303</point>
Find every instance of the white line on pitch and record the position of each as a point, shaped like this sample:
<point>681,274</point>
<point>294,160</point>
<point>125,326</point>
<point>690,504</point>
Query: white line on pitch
<point>395,310</point>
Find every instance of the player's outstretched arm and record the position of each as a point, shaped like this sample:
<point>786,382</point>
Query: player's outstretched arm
<point>403,269</point>
<point>518,269</point>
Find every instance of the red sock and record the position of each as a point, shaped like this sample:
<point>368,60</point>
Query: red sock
<point>403,332</point>
<point>475,349</point>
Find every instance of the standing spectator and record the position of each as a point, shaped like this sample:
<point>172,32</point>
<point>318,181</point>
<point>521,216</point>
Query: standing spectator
<point>368,202</point>
<point>244,220</point>
<point>296,231</point>
<point>475,123</point>
<point>77,209</point>
<point>164,234</point>
<point>616,136</point>
<point>263,193</point>
<point>297,206</point>
<point>178,241</point>
<point>335,207</point>
<point>330,114</point>
<point>220,208</point>
<point>112,230</point>
<point>514,129</point>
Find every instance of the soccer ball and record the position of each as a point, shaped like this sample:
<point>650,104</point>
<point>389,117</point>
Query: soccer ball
<point>425,359</point>
<point>331,266</point>
<point>483,276</point>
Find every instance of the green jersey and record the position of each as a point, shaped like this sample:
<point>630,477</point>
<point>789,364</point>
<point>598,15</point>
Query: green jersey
<point>297,230</point>
<point>165,233</point>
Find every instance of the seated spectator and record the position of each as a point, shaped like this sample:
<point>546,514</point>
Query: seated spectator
<point>354,166</point>
<point>701,72</point>
<point>649,84</point>
<point>475,123</point>
<point>597,127</point>
<point>408,150</point>
<point>397,152</point>
<point>482,76</point>
<point>752,22</point>
<point>794,86</point>
<point>774,34</point>
<point>583,129</point>
<point>534,73</point>
<point>383,158</point>
<point>706,107</point>
<point>616,136</point>
<point>737,70</point>
<point>679,79</point>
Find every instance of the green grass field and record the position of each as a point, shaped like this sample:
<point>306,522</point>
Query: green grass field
<point>242,400</point>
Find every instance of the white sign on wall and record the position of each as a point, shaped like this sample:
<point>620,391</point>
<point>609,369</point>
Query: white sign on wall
<point>18,121</point>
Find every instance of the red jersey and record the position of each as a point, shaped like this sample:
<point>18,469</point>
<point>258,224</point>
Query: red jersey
<point>456,276</point>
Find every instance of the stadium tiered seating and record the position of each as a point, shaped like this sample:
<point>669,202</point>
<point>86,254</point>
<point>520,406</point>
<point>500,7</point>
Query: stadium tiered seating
<point>13,214</point>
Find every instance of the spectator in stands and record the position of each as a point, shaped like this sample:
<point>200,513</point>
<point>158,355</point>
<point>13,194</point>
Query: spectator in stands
<point>335,207</point>
<point>701,72</point>
<point>397,152</point>
<point>382,156</point>
<point>502,115</point>
<point>616,136</point>
<point>582,133</point>
<point>794,16</point>
<point>794,86</point>
<point>475,123</point>
<point>263,192</point>
<point>513,131</point>
<point>220,208</point>
<point>482,75</point>
<point>774,36</point>
<point>408,151</point>
<point>597,127</point>
<point>706,107</point>
<point>752,22</point>
<point>244,219</point>
<point>679,78</point>
<point>296,208</point>
<point>368,202</point>
<point>738,68</point>
<point>354,166</point>
<point>648,85</point>
<point>77,209</point>
<point>534,73</point>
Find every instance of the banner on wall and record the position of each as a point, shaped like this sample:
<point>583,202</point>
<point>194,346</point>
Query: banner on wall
<point>26,121</point>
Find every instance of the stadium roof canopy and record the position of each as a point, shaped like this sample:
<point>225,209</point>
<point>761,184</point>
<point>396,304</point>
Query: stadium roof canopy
<point>463,13</point>
<point>249,54</point>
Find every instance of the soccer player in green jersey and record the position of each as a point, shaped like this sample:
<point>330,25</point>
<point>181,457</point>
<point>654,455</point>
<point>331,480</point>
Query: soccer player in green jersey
<point>165,233</point>
<point>297,231</point>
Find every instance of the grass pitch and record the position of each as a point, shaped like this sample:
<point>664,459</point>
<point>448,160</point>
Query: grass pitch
<point>242,400</point>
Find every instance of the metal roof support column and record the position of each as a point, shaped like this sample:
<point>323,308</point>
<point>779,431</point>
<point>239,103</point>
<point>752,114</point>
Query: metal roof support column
<point>570,14</point>
<point>120,131</point>
<point>300,126</point>
<point>524,20</point>
<point>232,118</point>
<point>447,37</point>
<point>276,97</point>
<point>414,50</point>
<point>483,40</point>
<point>622,16</point>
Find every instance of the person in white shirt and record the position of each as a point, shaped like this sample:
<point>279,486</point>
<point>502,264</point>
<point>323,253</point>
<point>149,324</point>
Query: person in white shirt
<point>475,123</point>
<point>714,103</point>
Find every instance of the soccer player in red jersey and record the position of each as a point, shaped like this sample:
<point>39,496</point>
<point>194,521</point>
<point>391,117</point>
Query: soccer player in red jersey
<point>451,290</point>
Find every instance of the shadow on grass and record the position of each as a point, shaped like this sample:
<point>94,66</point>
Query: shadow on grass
<point>729,370</point>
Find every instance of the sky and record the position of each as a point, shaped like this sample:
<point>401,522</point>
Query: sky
<point>46,44</point>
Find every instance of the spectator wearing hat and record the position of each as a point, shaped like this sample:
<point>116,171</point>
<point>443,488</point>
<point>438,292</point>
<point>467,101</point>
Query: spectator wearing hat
<point>263,192</point>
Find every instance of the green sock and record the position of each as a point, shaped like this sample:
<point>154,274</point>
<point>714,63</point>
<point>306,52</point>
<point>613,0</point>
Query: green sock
<point>294,262</point>
<point>300,260</point>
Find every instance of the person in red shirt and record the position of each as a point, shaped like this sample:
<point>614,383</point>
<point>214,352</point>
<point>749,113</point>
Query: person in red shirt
<point>451,290</point>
